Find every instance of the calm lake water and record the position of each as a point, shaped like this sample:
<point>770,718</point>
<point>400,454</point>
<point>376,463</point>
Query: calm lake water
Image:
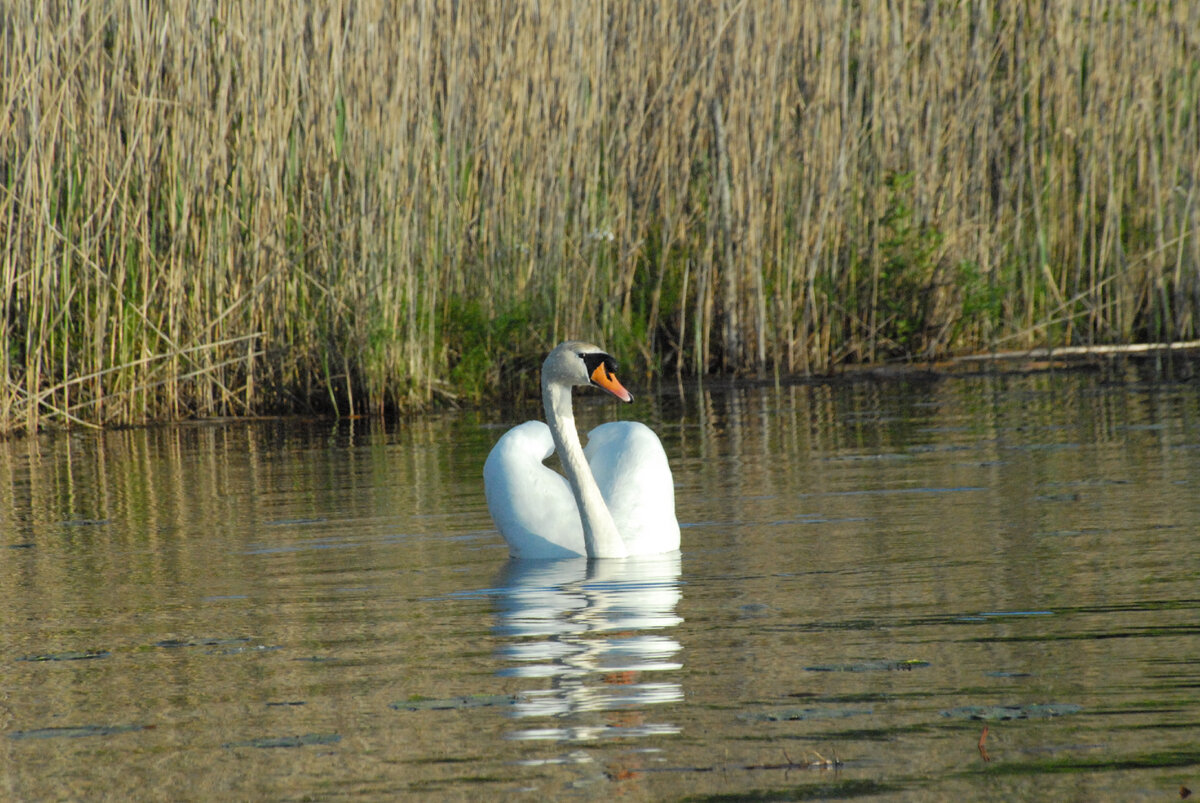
<point>970,588</point>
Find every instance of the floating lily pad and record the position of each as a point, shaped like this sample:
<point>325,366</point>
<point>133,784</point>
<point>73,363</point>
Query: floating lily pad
<point>85,655</point>
<point>869,666</point>
<point>75,731</point>
<point>453,703</point>
<point>1066,497</point>
<point>993,713</point>
<point>211,642</point>
<point>798,714</point>
<point>240,650</point>
<point>306,740</point>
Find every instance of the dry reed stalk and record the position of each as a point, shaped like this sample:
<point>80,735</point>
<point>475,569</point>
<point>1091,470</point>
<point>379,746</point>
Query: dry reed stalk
<point>410,201</point>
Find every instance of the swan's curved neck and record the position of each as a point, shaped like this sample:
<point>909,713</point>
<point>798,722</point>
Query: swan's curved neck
<point>599,532</point>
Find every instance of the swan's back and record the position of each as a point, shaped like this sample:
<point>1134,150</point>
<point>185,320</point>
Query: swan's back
<point>631,468</point>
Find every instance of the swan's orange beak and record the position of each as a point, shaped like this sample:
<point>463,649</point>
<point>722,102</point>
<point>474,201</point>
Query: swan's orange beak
<point>605,379</point>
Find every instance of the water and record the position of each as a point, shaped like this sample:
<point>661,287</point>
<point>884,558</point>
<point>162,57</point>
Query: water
<point>872,574</point>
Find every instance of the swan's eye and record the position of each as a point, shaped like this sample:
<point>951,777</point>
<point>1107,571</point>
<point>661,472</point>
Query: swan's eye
<point>598,360</point>
<point>601,372</point>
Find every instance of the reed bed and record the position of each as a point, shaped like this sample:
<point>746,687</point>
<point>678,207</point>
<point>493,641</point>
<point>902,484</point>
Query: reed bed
<point>214,208</point>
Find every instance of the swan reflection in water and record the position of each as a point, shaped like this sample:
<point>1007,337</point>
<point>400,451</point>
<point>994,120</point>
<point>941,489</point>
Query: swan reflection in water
<point>593,629</point>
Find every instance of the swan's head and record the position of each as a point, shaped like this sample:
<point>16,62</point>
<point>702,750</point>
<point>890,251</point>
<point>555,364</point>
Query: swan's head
<point>578,364</point>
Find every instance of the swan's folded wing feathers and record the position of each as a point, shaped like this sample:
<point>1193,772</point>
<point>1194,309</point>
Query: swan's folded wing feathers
<point>533,506</point>
<point>631,468</point>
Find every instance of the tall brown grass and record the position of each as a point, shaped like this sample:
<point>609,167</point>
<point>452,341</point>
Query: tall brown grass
<point>232,207</point>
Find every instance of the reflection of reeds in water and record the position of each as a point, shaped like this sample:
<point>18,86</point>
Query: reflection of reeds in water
<point>579,626</point>
<point>237,208</point>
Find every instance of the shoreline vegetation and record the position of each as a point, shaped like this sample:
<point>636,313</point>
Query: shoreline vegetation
<point>224,209</point>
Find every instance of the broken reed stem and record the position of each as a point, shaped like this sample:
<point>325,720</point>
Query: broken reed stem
<point>418,203</point>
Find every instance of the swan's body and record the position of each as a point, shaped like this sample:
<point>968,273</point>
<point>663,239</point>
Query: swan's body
<point>617,499</point>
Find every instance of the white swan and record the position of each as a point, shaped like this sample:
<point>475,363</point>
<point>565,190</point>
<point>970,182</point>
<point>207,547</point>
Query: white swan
<point>617,499</point>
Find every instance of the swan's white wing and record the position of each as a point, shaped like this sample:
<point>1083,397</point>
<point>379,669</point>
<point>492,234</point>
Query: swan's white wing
<point>533,506</point>
<point>631,469</point>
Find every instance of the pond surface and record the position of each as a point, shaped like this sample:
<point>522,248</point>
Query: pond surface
<point>957,589</point>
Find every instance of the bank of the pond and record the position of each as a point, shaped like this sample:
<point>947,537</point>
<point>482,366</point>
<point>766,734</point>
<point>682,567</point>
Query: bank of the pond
<point>1151,362</point>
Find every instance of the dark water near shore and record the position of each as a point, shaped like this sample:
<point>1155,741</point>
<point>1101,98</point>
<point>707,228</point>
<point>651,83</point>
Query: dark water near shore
<point>946,590</point>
